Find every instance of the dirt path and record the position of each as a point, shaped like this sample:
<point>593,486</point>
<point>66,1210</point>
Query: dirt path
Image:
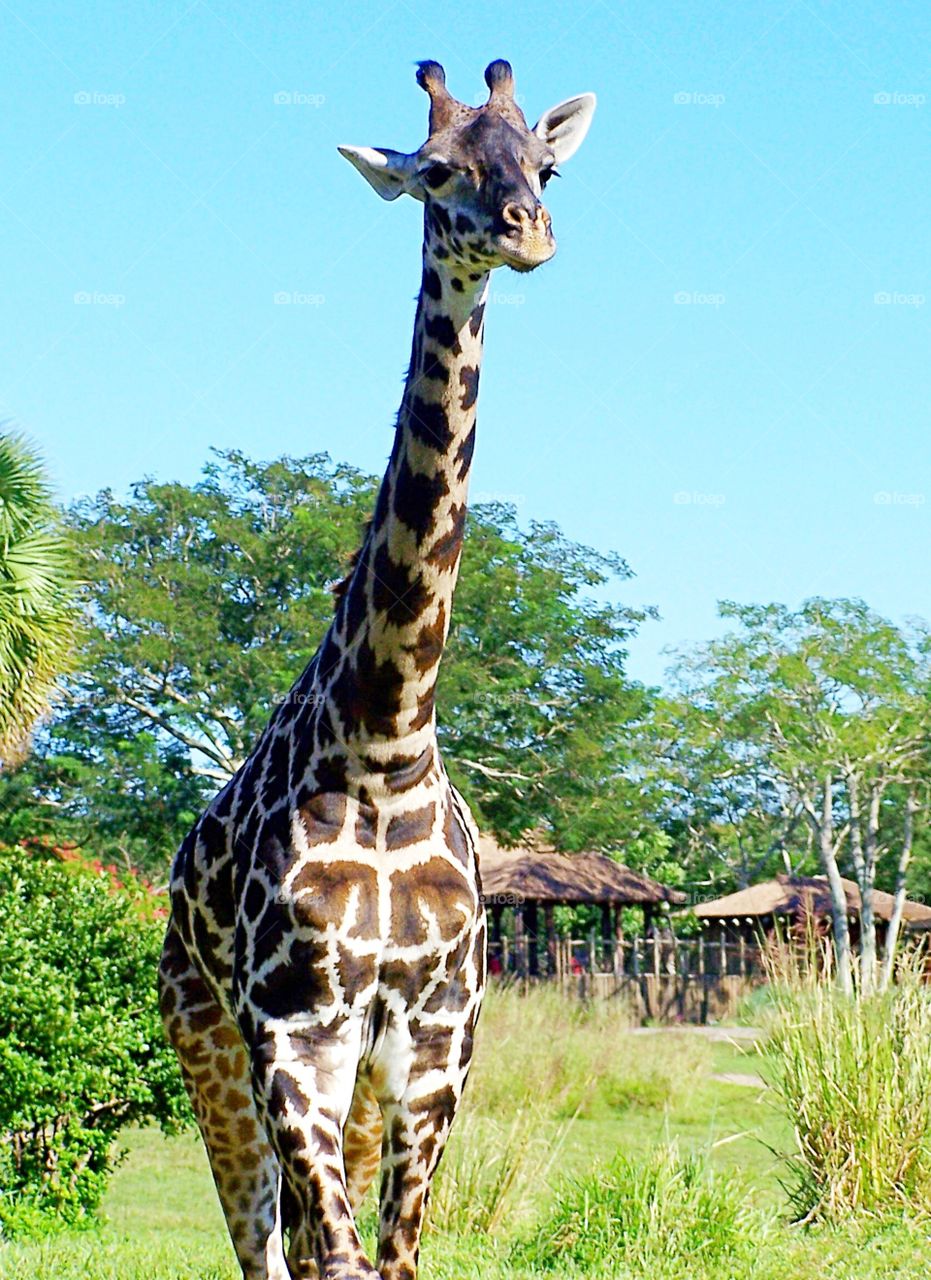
<point>716,1034</point>
<point>744,1079</point>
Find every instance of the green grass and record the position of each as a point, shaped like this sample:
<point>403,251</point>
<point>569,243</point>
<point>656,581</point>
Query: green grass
<point>162,1221</point>
<point>665,1213</point>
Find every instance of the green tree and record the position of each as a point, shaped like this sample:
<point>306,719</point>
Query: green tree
<point>831,704</point>
<point>206,602</point>
<point>209,599</point>
<point>538,720</point>
<point>36,615</point>
<point>731,820</point>
<point>126,794</point>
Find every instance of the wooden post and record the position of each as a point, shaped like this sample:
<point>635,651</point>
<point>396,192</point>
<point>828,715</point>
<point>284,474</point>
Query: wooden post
<point>723,953</point>
<point>520,941</point>
<point>533,964</point>
<point>703,982</point>
<point>549,925</point>
<point>505,954</point>
<point>495,949</point>
<point>606,937</point>
<point>592,956</point>
<point>743,955</point>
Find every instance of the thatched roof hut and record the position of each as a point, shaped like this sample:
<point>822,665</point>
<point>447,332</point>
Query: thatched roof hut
<point>545,876</point>
<point>797,899</point>
<point>526,880</point>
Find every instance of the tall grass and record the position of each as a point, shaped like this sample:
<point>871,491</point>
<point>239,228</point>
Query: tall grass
<point>853,1074</point>
<point>541,1062</point>
<point>666,1215</point>
<point>573,1059</point>
<point>493,1175</point>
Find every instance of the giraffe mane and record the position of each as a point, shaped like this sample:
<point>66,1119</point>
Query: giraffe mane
<point>339,589</point>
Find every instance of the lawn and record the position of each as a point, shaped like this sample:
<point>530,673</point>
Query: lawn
<point>597,1089</point>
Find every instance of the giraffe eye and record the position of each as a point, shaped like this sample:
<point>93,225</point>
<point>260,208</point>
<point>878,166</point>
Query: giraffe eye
<point>437,175</point>
<point>549,172</point>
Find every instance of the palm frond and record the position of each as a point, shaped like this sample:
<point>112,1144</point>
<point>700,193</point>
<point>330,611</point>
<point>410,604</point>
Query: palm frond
<point>37,610</point>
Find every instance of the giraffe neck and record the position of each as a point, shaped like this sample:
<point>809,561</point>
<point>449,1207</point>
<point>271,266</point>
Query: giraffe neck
<point>393,617</point>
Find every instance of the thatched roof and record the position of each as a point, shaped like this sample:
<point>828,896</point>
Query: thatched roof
<point>545,876</point>
<point>809,895</point>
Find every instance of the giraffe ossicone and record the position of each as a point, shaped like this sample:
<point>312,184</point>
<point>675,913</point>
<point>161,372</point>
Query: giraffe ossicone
<point>325,961</point>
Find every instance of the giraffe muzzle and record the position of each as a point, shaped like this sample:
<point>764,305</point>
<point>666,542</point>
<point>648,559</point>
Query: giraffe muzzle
<point>526,240</point>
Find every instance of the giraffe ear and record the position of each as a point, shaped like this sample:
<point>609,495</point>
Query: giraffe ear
<point>563,127</point>
<point>391,173</point>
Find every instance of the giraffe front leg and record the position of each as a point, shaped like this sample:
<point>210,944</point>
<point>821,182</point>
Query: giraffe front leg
<point>216,1074</point>
<point>304,1082</point>
<point>416,1127</point>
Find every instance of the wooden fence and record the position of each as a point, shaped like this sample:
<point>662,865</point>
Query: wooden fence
<point>665,978</point>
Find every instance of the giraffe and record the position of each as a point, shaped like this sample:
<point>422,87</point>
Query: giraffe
<point>323,967</point>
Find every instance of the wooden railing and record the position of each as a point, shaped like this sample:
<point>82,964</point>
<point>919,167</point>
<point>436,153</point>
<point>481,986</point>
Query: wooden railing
<point>661,978</point>
<point>658,956</point>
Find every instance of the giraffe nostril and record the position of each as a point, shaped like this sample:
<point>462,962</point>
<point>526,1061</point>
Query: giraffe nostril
<point>515,215</point>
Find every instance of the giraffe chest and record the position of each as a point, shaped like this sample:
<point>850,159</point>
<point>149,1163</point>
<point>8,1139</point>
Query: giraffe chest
<point>339,921</point>
<point>324,900</point>
<point>401,880</point>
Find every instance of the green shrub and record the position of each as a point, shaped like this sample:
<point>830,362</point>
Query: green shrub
<point>81,1046</point>
<point>853,1074</point>
<point>647,1216</point>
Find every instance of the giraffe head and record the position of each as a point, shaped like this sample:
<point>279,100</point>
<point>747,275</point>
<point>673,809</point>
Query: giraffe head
<point>481,171</point>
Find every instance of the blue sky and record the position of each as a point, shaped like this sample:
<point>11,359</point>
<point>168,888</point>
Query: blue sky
<point>723,374</point>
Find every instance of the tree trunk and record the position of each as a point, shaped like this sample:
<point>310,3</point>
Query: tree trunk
<point>868,951</point>
<point>863,855</point>
<point>838,896</point>
<point>901,878</point>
